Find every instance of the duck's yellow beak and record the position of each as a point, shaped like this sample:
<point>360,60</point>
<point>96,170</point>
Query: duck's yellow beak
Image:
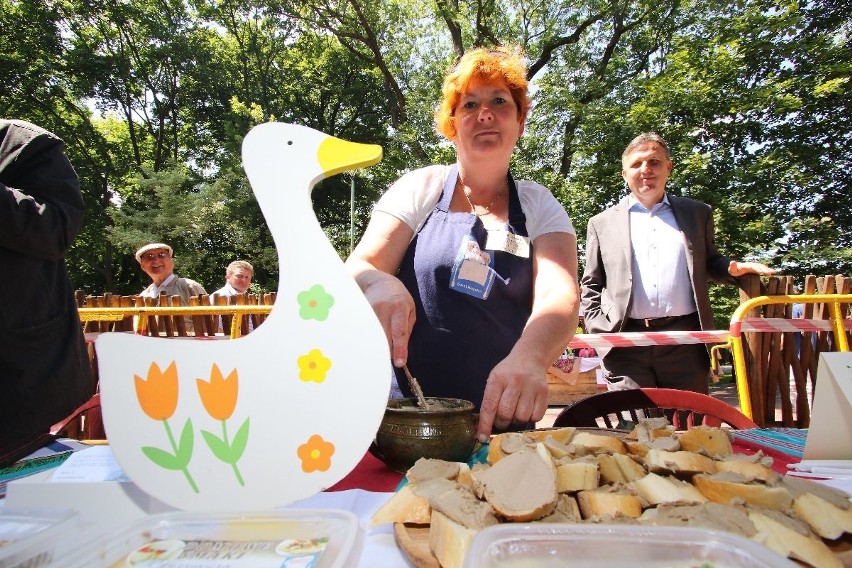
<point>336,155</point>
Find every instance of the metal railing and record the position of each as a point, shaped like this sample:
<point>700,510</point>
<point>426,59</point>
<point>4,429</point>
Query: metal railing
<point>740,324</point>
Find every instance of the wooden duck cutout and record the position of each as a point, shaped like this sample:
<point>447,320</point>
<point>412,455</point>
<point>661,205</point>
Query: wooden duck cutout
<point>284,412</point>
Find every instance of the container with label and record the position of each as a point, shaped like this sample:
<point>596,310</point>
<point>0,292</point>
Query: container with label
<point>33,537</point>
<point>543,545</point>
<point>280,539</point>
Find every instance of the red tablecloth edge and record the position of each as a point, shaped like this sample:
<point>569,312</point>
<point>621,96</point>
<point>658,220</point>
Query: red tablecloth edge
<point>779,459</point>
<point>371,474</point>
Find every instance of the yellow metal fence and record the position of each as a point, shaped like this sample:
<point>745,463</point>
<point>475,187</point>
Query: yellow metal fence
<point>141,315</point>
<point>780,356</point>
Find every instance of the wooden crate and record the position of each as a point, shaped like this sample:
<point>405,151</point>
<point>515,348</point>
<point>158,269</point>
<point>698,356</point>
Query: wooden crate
<point>566,388</point>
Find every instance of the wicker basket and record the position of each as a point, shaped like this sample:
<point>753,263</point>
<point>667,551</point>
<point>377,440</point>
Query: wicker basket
<point>566,388</point>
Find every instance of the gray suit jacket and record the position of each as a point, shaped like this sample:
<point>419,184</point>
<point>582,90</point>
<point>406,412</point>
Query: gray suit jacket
<point>607,279</point>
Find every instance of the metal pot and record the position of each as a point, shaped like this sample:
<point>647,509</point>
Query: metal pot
<point>446,430</point>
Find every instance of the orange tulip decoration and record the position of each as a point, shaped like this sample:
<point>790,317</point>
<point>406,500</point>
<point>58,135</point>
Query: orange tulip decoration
<point>158,398</point>
<point>219,396</point>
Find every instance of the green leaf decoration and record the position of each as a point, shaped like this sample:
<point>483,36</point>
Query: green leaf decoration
<point>219,447</point>
<point>238,446</point>
<point>187,439</point>
<point>163,458</point>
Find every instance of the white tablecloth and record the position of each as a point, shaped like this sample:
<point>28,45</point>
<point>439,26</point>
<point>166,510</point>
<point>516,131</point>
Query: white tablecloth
<point>379,548</point>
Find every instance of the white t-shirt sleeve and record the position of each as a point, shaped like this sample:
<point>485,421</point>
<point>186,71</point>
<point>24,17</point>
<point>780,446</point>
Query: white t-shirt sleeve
<point>413,196</point>
<point>543,211</point>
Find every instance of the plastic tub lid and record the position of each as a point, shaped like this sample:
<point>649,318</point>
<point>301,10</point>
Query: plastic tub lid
<point>299,537</point>
<point>544,545</point>
<point>31,537</point>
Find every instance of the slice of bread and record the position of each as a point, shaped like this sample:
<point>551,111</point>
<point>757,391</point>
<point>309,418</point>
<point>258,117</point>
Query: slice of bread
<point>599,442</point>
<point>609,470</point>
<point>680,463</point>
<point>725,487</point>
<point>403,507</point>
<point>827,520</point>
<point>449,541</point>
<point>779,533</point>
<point>708,515</point>
<point>649,428</point>
<point>603,501</point>
<point>577,476</point>
<point>656,490</point>
<point>746,468</point>
<point>714,441</point>
<point>630,468</point>
<point>510,442</point>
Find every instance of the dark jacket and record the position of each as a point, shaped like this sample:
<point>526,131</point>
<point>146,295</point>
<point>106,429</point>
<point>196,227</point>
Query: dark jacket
<point>44,368</point>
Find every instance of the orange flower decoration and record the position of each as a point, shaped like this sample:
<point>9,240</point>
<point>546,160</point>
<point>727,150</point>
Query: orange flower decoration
<point>316,454</point>
<point>219,395</point>
<point>158,396</point>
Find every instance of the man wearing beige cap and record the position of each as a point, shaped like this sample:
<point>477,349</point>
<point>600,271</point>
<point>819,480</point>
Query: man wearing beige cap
<point>157,262</point>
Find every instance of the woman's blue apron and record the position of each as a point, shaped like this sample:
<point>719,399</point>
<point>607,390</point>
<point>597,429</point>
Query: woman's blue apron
<point>472,301</point>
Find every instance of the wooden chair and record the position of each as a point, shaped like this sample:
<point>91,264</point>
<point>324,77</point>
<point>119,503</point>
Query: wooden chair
<point>684,408</point>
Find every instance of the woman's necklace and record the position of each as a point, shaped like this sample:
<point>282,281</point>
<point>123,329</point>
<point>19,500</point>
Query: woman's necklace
<point>498,195</point>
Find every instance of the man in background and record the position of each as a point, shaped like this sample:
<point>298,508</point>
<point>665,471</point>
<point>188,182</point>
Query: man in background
<point>649,259</point>
<point>238,277</point>
<point>44,368</point>
<point>157,261</point>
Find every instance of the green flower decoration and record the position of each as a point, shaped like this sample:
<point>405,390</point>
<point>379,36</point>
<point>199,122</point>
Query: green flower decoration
<point>315,303</point>
<point>313,366</point>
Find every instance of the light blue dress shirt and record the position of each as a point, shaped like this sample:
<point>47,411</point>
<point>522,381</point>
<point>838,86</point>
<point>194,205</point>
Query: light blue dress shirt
<point>661,283</point>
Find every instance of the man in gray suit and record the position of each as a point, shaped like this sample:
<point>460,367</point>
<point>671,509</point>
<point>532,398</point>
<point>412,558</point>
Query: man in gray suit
<point>648,262</point>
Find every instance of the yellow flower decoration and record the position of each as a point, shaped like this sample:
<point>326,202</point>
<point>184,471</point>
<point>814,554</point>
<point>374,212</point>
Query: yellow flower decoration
<point>316,454</point>
<point>219,395</point>
<point>313,366</point>
<point>158,395</point>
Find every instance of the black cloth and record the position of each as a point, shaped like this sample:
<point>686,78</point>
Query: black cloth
<point>684,367</point>
<point>44,367</point>
<point>462,331</point>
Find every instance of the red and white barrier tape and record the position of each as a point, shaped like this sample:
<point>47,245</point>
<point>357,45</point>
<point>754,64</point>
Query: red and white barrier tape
<point>784,325</point>
<point>641,338</point>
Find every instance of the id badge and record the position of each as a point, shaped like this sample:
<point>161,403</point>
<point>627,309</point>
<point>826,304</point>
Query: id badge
<point>505,241</point>
<point>473,270</point>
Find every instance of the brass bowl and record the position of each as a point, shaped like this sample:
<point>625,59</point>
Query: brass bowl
<point>446,430</point>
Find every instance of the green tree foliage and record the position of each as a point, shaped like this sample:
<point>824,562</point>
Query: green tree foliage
<point>153,99</point>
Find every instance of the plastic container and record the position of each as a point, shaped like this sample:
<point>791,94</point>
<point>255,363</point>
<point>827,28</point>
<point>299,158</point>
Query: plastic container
<point>33,537</point>
<point>285,538</point>
<point>541,545</point>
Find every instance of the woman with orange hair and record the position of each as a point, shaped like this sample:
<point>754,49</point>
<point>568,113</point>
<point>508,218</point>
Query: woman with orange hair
<point>473,274</point>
